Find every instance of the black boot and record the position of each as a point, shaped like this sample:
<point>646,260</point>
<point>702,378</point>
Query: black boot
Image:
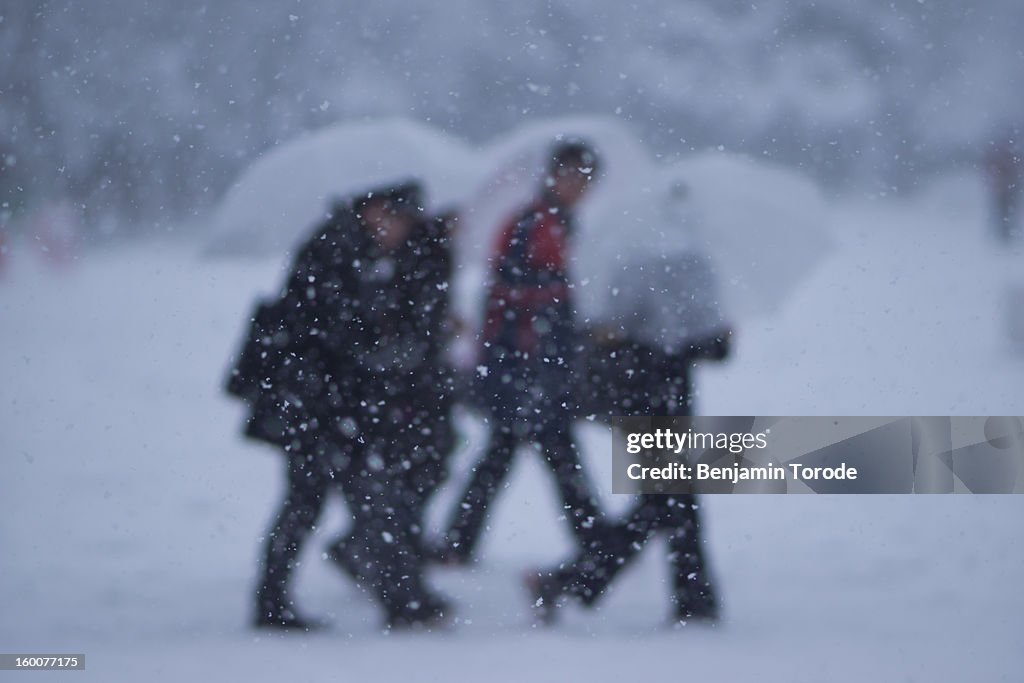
<point>545,594</point>
<point>428,613</point>
<point>294,522</point>
<point>693,593</point>
<point>701,607</point>
<point>275,611</point>
<point>693,597</point>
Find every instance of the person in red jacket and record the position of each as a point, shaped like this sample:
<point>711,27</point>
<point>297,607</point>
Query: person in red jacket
<point>529,353</point>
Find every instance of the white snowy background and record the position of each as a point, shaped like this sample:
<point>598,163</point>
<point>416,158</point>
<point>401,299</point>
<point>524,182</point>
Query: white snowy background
<point>131,512</point>
<point>159,159</point>
<point>151,107</point>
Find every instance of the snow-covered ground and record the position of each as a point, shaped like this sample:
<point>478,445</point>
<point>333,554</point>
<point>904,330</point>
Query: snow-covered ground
<point>131,512</point>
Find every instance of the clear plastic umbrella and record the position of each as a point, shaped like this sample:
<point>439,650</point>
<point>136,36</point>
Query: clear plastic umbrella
<point>760,228</point>
<point>278,200</point>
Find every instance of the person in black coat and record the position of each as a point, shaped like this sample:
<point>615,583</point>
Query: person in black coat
<point>341,374</point>
<point>641,364</point>
<point>426,467</point>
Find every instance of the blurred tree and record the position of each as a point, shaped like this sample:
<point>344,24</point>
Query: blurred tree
<point>146,111</point>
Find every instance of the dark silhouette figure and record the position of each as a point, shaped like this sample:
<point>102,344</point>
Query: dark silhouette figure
<point>641,365</point>
<point>342,374</point>
<point>529,354</point>
<point>1005,174</point>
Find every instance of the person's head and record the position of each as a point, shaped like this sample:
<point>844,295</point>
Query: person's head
<point>572,168</point>
<point>391,214</point>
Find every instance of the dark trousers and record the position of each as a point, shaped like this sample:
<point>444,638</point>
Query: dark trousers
<point>429,470</point>
<point>422,473</point>
<point>632,378</point>
<point>588,576</point>
<point>307,484</point>
<point>382,550</point>
<point>554,437</point>
<point>384,540</point>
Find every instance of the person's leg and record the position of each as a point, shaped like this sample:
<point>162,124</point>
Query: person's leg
<point>306,489</point>
<point>384,550</point>
<point>488,475</point>
<point>579,500</point>
<point>588,576</point>
<point>428,471</point>
<point>347,551</point>
<point>693,593</point>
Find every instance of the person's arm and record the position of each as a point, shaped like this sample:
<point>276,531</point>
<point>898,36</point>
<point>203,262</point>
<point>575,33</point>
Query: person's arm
<point>712,347</point>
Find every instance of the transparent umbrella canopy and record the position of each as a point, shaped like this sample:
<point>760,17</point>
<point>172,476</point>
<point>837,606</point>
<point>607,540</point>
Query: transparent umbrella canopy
<point>764,227</point>
<point>759,229</point>
<point>276,202</point>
